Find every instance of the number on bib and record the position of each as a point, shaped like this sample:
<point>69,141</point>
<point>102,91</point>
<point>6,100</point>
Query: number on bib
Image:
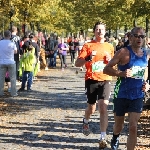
<point>98,66</point>
<point>138,72</point>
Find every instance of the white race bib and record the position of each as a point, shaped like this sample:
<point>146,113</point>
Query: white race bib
<point>98,66</point>
<point>138,72</point>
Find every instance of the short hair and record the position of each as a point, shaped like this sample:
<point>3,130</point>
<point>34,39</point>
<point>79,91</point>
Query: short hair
<point>7,34</point>
<point>133,31</point>
<point>128,34</point>
<point>98,23</point>
<point>14,29</point>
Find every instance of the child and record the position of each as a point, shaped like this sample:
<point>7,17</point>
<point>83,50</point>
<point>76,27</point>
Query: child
<point>7,80</point>
<point>27,66</point>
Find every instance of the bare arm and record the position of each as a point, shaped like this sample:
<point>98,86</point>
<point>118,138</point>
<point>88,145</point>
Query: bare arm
<point>110,70</point>
<point>80,62</point>
<point>67,48</point>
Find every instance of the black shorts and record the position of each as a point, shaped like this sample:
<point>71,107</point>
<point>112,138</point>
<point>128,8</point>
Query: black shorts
<point>96,90</point>
<point>122,106</point>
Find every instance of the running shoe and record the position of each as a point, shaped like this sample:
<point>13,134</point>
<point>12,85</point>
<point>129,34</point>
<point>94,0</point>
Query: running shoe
<point>102,144</point>
<point>114,143</point>
<point>86,128</point>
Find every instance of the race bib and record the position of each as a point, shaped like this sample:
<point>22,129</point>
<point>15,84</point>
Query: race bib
<point>98,66</point>
<point>138,72</point>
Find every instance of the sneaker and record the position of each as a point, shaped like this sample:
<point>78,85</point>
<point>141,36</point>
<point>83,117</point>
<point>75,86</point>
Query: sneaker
<point>18,83</point>
<point>62,69</point>
<point>29,90</point>
<point>86,128</point>
<point>114,143</point>
<point>21,90</point>
<point>72,65</point>
<point>65,66</point>
<point>46,68</point>
<point>102,144</point>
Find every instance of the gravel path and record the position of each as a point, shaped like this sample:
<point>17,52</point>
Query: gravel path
<point>50,117</point>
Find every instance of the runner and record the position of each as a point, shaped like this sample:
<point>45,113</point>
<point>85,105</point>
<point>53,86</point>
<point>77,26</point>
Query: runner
<point>128,97</point>
<point>95,55</point>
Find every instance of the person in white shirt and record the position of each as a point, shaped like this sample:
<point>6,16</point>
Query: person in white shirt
<point>7,63</point>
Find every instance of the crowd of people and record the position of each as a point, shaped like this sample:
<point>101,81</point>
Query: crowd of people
<point>20,59</point>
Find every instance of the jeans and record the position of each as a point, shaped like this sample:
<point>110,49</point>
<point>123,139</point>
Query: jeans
<point>55,55</point>
<point>11,68</point>
<point>52,60</point>
<point>27,76</point>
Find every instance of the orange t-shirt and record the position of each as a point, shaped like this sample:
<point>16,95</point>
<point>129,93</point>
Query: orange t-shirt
<point>94,68</point>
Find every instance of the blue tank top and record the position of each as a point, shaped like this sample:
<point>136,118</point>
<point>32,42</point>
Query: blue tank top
<point>131,87</point>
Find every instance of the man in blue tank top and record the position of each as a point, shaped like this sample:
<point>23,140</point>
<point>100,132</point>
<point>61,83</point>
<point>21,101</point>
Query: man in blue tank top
<point>128,92</point>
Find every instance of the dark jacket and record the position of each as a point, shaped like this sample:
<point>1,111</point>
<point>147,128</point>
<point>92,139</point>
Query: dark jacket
<point>126,43</point>
<point>34,44</point>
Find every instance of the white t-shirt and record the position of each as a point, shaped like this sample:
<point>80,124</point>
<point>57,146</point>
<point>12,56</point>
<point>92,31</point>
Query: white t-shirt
<point>7,49</point>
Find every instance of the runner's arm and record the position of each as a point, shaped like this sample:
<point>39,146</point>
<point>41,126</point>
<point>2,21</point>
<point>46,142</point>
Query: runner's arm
<point>80,62</point>
<point>146,70</point>
<point>110,69</point>
<point>83,56</point>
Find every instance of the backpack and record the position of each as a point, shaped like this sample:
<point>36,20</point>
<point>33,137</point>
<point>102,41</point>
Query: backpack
<point>16,39</point>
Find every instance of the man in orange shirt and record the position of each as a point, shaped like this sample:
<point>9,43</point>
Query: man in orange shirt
<point>95,55</point>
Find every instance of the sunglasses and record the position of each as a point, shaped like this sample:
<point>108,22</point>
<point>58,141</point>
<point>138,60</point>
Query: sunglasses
<point>139,36</point>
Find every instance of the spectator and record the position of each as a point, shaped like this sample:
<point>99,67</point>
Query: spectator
<point>27,61</point>
<point>120,45</point>
<point>16,40</point>
<point>33,43</point>
<point>62,49</point>
<point>126,41</point>
<point>7,63</point>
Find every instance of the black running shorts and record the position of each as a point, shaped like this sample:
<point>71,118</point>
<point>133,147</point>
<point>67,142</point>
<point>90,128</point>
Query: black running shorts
<point>96,90</point>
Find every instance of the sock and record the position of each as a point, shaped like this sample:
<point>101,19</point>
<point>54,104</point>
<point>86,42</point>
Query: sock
<point>86,121</point>
<point>115,136</point>
<point>103,135</point>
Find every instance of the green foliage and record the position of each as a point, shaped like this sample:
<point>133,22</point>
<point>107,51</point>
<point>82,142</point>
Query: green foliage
<point>74,15</point>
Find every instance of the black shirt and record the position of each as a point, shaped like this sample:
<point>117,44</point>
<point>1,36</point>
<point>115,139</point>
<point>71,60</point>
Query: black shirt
<point>35,45</point>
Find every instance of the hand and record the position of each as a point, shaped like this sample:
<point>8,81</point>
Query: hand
<point>88,58</point>
<point>126,73</point>
<point>145,87</point>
